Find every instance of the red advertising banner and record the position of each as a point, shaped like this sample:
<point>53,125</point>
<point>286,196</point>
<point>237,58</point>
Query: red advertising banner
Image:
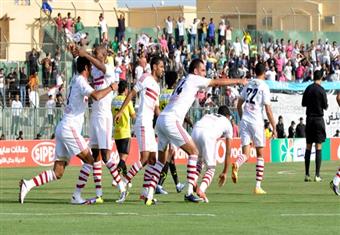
<point>335,148</point>
<point>30,153</point>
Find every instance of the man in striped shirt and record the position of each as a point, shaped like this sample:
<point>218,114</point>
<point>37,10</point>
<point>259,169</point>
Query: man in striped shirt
<point>148,88</point>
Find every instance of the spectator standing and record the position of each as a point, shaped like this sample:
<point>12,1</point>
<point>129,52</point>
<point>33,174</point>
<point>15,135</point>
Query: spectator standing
<point>23,85</point>
<point>221,31</point>
<point>211,32</point>
<point>103,28</point>
<point>78,27</point>
<point>193,33</point>
<point>315,100</point>
<point>169,28</point>
<point>291,130</point>
<point>33,62</point>
<point>20,136</point>
<point>2,87</point>
<point>46,64</point>
<point>204,32</point>
<point>300,129</point>
<point>50,106</point>
<point>280,130</point>
<point>121,25</point>
<point>16,112</point>
<point>181,30</point>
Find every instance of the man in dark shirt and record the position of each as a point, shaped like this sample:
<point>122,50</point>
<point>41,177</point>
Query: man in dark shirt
<point>280,130</point>
<point>300,129</point>
<point>121,26</point>
<point>291,130</point>
<point>315,100</point>
<point>23,85</point>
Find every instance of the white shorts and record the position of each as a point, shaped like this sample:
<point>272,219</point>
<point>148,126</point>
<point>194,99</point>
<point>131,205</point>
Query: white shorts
<point>69,142</point>
<point>252,132</point>
<point>206,146</point>
<point>101,132</point>
<point>146,138</point>
<point>170,131</point>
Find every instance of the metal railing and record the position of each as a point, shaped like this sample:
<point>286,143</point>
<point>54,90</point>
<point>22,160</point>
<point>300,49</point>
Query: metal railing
<point>42,122</point>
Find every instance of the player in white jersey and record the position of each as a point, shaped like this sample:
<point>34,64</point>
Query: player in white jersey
<point>101,124</point>
<point>205,134</point>
<point>69,141</point>
<point>335,183</point>
<point>169,124</point>
<point>148,88</point>
<point>255,97</point>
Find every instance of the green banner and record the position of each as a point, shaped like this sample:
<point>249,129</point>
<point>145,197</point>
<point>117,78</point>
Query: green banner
<point>293,150</point>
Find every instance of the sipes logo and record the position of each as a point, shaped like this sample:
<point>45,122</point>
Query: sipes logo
<point>43,153</point>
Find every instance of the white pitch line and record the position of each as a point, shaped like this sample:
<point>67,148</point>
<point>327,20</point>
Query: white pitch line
<point>106,214</point>
<point>311,214</point>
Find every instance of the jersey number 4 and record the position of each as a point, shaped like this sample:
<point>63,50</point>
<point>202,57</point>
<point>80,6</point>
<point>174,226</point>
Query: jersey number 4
<point>179,87</point>
<point>251,93</point>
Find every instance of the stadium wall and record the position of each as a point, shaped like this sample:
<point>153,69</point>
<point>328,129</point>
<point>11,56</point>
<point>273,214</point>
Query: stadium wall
<point>34,153</point>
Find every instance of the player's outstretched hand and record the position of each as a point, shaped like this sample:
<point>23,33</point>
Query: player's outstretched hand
<point>117,117</point>
<point>114,86</point>
<point>244,81</point>
<point>222,179</point>
<point>274,134</point>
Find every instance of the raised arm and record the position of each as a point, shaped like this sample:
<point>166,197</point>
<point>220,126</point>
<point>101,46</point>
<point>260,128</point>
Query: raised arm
<point>227,82</point>
<point>99,94</point>
<point>82,52</point>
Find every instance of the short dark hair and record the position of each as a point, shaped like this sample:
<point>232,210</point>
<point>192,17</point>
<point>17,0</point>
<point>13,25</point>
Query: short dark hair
<point>195,63</point>
<point>82,62</point>
<point>170,78</point>
<point>122,85</point>
<point>318,75</point>
<point>259,69</point>
<point>224,110</point>
<point>155,61</point>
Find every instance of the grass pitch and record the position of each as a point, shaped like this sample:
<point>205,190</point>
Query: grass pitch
<point>290,207</point>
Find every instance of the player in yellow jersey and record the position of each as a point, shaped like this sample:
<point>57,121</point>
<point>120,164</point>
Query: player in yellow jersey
<point>170,80</point>
<point>122,130</point>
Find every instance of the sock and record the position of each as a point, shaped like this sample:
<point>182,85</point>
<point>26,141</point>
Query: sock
<point>336,179</point>
<point>83,176</point>
<point>207,178</point>
<point>147,176</point>
<point>192,173</point>
<point>97,177</point>
<point>135,168</point>
<point>164,173</point>
<point>199,167</point>
<point>122,167</point>
<point>307,161</point>
<point>43,178</point>
<point>318,158</point>
<point>115,175</point>
<point>241,159</point>
<point>259,171</point>
<point>173,171</point>
<point>156,172</point>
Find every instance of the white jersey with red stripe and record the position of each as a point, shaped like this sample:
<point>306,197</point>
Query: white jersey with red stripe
<point>149,91</point>
<point>184,96</point>
<point>102,81</point>
<point>256,94</point>
<point>76,102</point>
<point>215,126</point>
